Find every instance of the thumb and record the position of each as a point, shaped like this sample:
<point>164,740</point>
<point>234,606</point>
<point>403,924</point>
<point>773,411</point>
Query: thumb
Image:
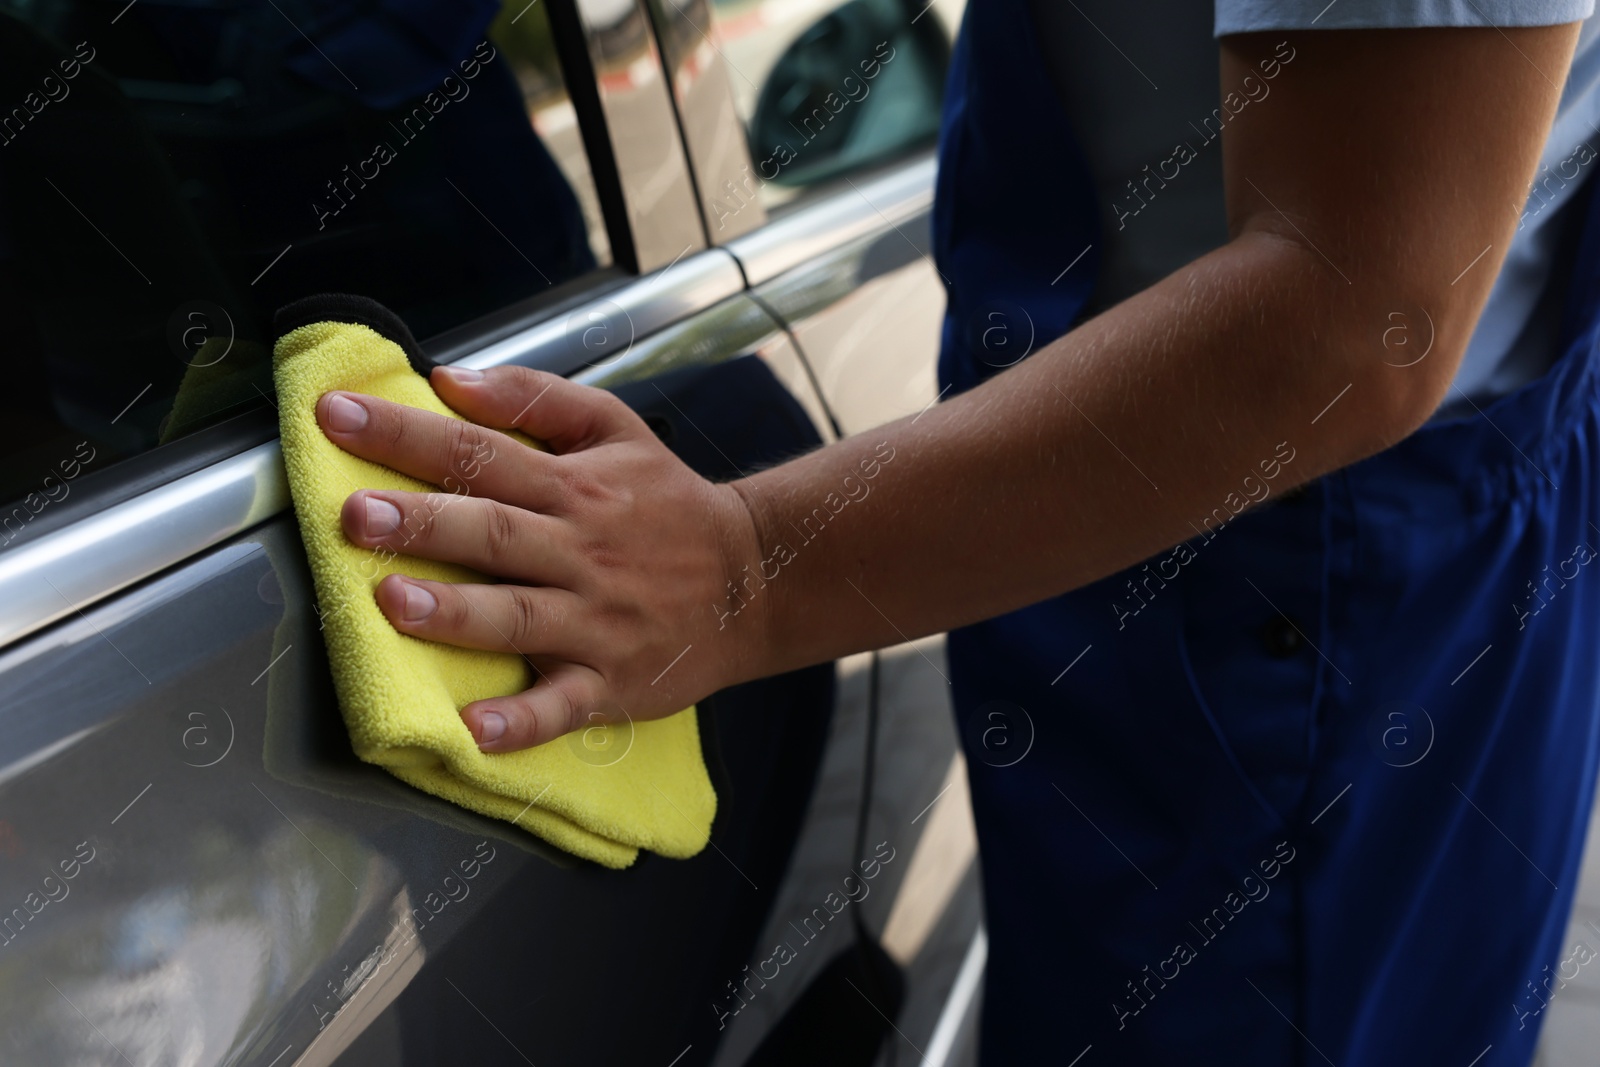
<point>565,415</point>
<point>566,698</point>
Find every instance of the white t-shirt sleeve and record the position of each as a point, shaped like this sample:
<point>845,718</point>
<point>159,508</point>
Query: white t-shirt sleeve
<point>1248,16</point>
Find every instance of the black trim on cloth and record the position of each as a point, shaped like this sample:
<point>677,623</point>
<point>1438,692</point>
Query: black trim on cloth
<point>361,310</point>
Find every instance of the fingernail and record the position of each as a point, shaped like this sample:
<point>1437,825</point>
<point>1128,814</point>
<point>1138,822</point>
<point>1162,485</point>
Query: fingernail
<point>419,603</point>
<point>463,375</point>
<point>345,415</point>
<point>382,517</point>
<point>491,724</point>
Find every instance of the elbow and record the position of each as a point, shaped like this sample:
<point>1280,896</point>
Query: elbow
<point>1414,371</point>
<point>1395,337</point>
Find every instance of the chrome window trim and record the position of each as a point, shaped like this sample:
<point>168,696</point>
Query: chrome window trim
<point>685,287</point>
<point>67,570</point>
<point>958,1018</point>
<point>739,325</point>
<point>861,209</point>
<point>63,572</point>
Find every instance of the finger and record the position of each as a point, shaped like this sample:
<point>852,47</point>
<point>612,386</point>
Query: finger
<point>564,699</point>
<point>453,454</point>
<point>486,535</point>
<point>565,415</point>
<point>495,618</point>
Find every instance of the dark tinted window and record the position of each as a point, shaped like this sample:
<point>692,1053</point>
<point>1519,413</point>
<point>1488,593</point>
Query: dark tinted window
<point>171,171</point>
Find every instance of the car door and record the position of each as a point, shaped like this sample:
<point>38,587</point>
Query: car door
<point>197,870</point>
<point>828,216</point>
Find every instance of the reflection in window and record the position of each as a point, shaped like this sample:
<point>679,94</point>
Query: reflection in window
<point>828,88</point>
<point>172,171</point>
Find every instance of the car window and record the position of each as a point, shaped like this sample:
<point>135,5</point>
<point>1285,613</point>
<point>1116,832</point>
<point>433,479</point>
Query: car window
<point>172,171</point>
<point>828,88</point>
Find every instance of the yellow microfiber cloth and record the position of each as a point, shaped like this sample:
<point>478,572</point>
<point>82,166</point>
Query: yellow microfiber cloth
<point>296,743</point>
<point>401,695</point>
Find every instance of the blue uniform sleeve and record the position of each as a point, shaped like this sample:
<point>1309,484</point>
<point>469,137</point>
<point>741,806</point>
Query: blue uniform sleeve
<point>1247,16</point>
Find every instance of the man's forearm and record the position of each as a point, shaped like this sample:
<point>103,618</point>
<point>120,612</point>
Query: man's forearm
<point>1155,421</point>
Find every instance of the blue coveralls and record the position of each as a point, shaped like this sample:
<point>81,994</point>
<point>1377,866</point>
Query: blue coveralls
<point>1322,796</point>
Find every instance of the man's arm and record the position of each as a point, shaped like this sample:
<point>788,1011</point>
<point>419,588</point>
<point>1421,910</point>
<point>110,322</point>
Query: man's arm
<point>1382,164</point>
<point>1382,177</point>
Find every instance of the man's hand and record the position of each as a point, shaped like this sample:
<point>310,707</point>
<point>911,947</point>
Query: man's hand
<point>607,584</point>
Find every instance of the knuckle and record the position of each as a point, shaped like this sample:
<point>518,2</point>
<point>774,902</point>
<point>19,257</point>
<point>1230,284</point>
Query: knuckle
<point>462,440</point>
<point>518,388</point>
<point>618,616</point>
<point>524,379</point>
<point>579,488</point>
<point>392,428</point>
<point>565,709</point>
<point>526,622</point>
<point>563,484</point>
<point>603,555</point>
<point>522,725</point>
<point>499,534</point>
<point>482,454</point>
